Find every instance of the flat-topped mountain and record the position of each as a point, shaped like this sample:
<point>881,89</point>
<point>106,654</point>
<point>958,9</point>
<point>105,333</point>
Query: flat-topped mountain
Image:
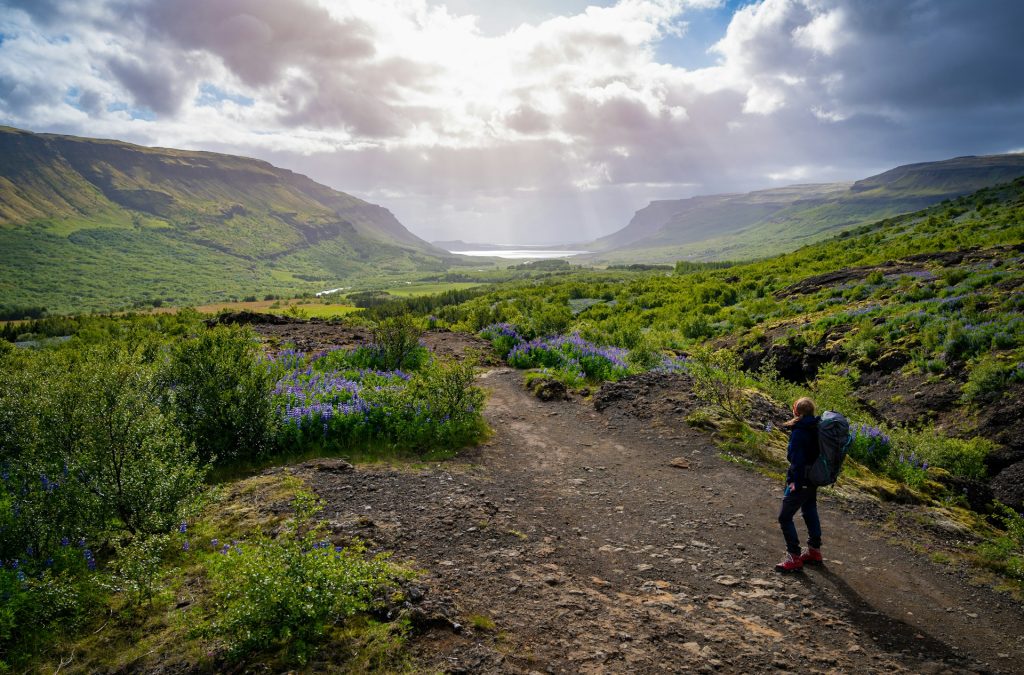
<point>764,222</point>
<point>87,223</point>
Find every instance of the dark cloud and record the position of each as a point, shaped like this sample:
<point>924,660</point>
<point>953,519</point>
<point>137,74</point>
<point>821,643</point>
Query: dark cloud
<point>157,84</point>
<point>259,39</point>
<point>18,97</point>
<point>527,119</point>
<point>44,12</point>
<point>945,54</point>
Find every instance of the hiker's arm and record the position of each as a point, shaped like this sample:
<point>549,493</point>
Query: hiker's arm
<point>795,455</point>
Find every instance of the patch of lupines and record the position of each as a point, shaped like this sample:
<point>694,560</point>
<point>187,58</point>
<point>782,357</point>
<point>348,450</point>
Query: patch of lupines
<point>912,460</point>
<point>503,337</point>
<point>571,353</point>
<point>672,364</point>
<point>328,402</point>
<point>870,446</point>
<point>501,329</point>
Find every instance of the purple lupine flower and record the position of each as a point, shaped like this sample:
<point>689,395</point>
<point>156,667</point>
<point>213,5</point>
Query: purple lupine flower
<point>183,528</point>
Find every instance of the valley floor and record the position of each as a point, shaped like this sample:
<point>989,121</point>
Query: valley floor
<point>569,542</point>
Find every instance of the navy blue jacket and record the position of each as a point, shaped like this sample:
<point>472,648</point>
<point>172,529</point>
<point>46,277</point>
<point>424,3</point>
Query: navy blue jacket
<point>803,450</point>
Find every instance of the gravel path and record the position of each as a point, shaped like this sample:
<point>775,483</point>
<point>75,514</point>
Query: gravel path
<point>574,533</point>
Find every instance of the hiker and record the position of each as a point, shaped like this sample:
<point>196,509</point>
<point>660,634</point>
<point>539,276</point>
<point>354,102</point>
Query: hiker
<point>800,495</point>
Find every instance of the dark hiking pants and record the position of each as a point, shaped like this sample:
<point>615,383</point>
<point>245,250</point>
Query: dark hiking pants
<point>805,500</point>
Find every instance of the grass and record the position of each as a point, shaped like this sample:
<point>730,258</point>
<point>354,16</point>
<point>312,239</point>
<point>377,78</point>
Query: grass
<point>413,289</point>
<point>162,635</point>
<point>168,635</point>
<point>305,308</point>
<point>482,622</point>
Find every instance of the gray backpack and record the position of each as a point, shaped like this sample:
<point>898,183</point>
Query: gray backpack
<point>834,440</point>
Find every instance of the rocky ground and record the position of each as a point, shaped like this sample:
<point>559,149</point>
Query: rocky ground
<point>607,536</point>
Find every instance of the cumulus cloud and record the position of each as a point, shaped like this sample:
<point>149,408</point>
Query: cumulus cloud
<point>556,128</point>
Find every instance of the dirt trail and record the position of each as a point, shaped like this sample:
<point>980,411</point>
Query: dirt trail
<point>572,532</point>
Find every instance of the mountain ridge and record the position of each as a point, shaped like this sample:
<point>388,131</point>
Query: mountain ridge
<point>763,222</point>
<point>142,216</point>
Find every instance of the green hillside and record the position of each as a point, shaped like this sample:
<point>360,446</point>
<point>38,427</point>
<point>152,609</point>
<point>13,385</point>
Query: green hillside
<point>95,224</point>
<point>768,222</point>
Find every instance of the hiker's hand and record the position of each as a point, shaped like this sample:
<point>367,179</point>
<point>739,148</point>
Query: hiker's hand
<point>792,488</point>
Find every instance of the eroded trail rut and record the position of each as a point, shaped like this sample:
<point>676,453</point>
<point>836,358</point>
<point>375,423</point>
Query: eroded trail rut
<point>591,553</point>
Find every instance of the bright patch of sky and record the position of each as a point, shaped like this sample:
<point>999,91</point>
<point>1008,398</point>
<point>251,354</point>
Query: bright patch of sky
<point>212,95</point>
<point>536,121</point>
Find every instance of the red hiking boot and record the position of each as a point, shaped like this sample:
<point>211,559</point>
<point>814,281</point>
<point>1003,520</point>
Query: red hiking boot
<point>812,556</point>
<point>791,563</point>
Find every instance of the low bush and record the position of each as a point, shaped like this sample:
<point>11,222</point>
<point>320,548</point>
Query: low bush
<point>719,381</point>
<point>87,455</point>
<point>283,594</point>
<point>964,458</point>
<point>218,394</point>
<point>396,344</point>
<point>1004,553</point>
<point>988,380</point>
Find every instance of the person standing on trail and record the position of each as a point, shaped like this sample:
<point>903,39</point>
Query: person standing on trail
<point>799,494</point>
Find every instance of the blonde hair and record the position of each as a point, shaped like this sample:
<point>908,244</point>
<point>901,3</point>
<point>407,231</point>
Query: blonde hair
<point>804,406</point>
<point>801,407</point>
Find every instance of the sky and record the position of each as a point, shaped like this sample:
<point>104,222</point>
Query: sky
<point>527,122</point>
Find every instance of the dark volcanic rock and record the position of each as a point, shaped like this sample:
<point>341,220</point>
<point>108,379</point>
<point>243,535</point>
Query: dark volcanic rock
<point>331,466</point>
<point>549,390</point>
<point>978,493</point>
<point>1008,486</point>
<point>1002,458</point>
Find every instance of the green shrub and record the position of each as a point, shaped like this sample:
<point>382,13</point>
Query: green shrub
<point>776,386</point>
<point>719,381</point>
<point>833,389</point>
<point>283,594</point>
<point>136,567</point>
<point>219,394</point>
<point>545,318</point>
<point>960,457</point>
<point>1005,552</point>
<point>644,356</point>
<point>85,435</point>
<point>987,381</point>
<point>396,341</point>
<point>38,607</point>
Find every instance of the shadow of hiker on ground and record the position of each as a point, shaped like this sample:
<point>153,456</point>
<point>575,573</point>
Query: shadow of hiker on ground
<point>894,635</point>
